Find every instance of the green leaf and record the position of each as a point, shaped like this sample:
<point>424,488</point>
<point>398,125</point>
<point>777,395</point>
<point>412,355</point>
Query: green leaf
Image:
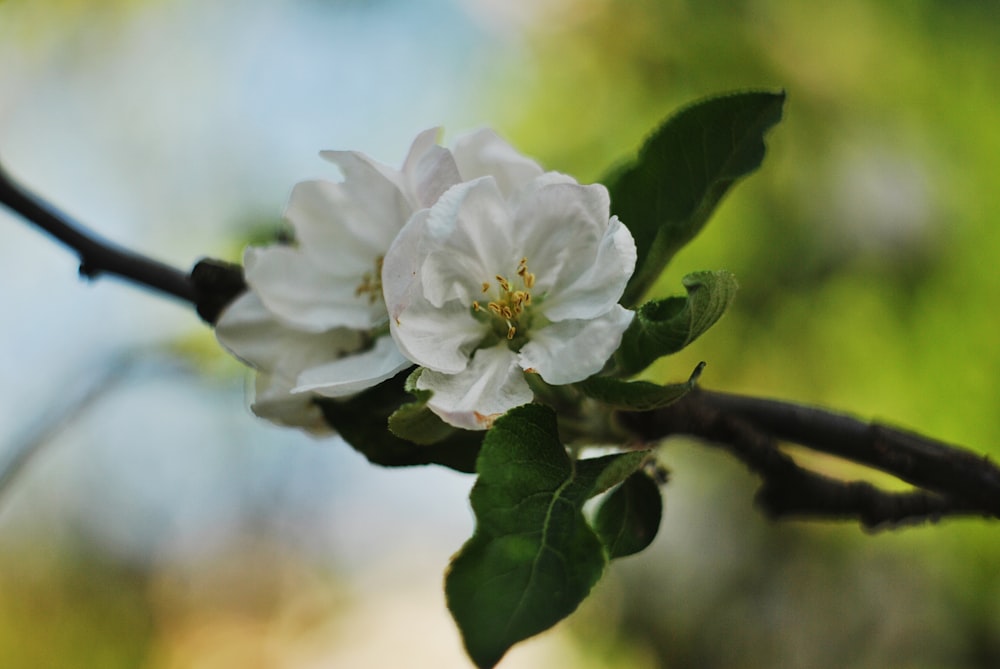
<point>682,172</point>
<point>662,327</point>
<point>533,557</point>
<point>609,470</point>
<point>629,518</point>
<point>363,422</point>
<point>635,395</point>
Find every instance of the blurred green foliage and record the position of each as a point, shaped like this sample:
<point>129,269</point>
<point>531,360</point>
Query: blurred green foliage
<point>872,213</point>
<point>70,604</point>
<point>866,251</point>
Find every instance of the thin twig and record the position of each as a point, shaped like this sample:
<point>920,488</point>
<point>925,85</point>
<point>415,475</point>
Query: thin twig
<point>97,256</point>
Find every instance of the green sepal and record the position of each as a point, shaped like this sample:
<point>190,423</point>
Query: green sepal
<point>628,520</point>
<point>683,170</point>
<point>363,422</point>
<point>662,327</point>
<point>414,422</point>
<point>533,557</point>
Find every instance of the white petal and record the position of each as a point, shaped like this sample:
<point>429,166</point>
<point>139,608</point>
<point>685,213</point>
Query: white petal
<point>279,353</point>
<point>429,170</point>
<point>439,338</point>
<point>295,289</point>
<point>370,205</point>
<point>434,267</point>
<point>354,373</point>
<point>421,145</point>
<point>571,350</point>
<point>467,241</point>
<point>330,228</point>
<point>492,385</point>
<point>556,224</point>
<point>593,291</point>
<point>273,401</point>
<point>528,189</point>
<point>484,153</point>
<point>252,333</point>
<point>377,190</point>
<point>551,221</point>
<point>402,264</point>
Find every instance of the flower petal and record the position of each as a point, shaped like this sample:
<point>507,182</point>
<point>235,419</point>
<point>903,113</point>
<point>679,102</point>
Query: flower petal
<point>252,333</point>
<point>439,338</point>
<point>346,225</point>
<point>419,148</point>
<point>600,285</point>
<point>273,401</point>
<point>434,267</point>
<point>490,386</point>
<point>467,242</point>
<point>484,153</point>
<point>571,350</point>
<point>354,373</point>
<point>429,169</point>
<point>295,289</point>
<point>555,222</point>
<point>550,220</point>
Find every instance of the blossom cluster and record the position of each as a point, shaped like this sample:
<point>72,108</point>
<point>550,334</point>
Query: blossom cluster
<point>472,263</point>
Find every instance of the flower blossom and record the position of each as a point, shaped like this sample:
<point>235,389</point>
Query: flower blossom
<point>313,322</point>
<point>489,285</point>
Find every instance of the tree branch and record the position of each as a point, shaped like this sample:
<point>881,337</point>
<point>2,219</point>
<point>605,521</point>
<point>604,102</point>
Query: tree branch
<point>948,480</point>
<point>209,287</point>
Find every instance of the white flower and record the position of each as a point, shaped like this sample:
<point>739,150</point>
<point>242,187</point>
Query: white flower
<point>487,285</point>
<point>284,357</point>
<point>314,322</point>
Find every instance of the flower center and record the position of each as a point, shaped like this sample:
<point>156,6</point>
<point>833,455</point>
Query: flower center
<point>371,283</point>
<point>510,302</point>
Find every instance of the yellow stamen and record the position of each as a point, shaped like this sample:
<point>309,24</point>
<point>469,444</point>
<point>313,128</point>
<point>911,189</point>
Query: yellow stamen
<point>509,305</point>
<point>371,283</point>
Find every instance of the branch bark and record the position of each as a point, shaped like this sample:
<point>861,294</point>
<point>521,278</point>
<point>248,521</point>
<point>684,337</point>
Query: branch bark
<point>208,287</point>
<point>948,480</point>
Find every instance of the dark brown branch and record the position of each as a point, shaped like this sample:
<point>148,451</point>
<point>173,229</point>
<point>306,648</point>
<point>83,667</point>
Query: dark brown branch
<point>918,460</point>
<point>949,480</point>
<point>209,287</point>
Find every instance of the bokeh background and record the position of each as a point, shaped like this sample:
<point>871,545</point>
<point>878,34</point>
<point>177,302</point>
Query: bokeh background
<point>158,524</point>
